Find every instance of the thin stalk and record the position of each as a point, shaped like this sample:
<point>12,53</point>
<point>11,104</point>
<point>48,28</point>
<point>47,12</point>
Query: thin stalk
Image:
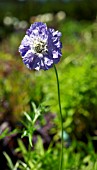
<point>61,119</point>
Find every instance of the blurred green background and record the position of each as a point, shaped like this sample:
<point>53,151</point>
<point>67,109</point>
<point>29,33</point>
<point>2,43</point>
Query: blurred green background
<point>19,87</point>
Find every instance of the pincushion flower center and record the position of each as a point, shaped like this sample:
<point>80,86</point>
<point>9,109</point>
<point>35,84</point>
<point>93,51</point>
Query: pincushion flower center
<point>40,46</point>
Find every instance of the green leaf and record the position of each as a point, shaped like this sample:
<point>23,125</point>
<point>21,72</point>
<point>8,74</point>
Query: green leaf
<point>39,146</point>
<point>27,116</point>
<point>4,133</point>
<point>22,146</point>
<point>10,164</point>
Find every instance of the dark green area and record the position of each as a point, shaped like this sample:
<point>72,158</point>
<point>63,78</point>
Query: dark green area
<point>79,9</point>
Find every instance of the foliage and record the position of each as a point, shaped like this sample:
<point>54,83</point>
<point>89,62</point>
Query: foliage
<point>37,158</point>
<point>41,159</point>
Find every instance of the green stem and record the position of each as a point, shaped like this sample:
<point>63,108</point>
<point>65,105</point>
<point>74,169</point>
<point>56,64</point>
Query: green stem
<point>61,119</point>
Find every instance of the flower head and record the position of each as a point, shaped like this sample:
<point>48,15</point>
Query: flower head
<point>40,47</point>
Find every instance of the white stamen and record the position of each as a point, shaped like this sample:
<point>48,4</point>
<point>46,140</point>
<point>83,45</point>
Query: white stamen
<point>39,46</point>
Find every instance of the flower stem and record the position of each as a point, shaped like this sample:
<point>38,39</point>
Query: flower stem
<point>61,119</point>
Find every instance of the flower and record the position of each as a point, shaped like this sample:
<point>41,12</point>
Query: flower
<point>41,47</point>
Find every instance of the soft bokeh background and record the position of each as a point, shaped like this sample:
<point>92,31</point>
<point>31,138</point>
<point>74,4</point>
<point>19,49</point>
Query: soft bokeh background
<point>19,87</point>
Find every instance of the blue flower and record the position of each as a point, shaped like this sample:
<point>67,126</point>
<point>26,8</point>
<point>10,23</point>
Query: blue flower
<point>40,47</point>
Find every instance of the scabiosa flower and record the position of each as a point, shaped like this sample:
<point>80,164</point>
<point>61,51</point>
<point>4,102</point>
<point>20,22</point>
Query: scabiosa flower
<point>40,47</point>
